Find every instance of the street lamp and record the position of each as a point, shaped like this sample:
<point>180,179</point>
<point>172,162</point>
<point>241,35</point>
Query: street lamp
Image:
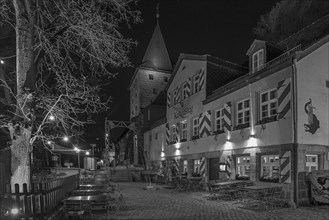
<point>2,62</point>
<point>65,138</point>
<point>51,118</point>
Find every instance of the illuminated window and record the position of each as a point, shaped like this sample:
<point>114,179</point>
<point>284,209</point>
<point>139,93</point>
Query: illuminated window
<point>185,166</point>
<point>219,120</point>
<point>258,60</point>
<point>195,126</point>
<point>243,166</point>
<point>243,112</point>
<point>270,168</point>
<point>268,104</point>
<point>196,169</point>
<point>311,162</point>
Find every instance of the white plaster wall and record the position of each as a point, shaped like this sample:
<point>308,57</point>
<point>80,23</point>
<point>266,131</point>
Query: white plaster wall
<point>155,146</point>
<point>312,74</point>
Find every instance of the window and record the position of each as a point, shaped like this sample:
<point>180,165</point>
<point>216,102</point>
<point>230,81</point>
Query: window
<point>154,91</point>
<point>195,126</point>
<point>196,84</point>
<point>165,79</point>
<point>268,104</point>
<point>185,166</point>
<point>243,112</point>
<point>173,134</point>
<point>156,136</point>
<point>219,120</point>
<point>185,92</point>
<point>243,167</point>
<point>258,60</point>
<point>184,130</point>
<point>270,168</point>
<point>311,162</point>
<point>196,168</point>
<point>151,77</point>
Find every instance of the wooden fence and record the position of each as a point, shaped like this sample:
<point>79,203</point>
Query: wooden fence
<point>42,199</point>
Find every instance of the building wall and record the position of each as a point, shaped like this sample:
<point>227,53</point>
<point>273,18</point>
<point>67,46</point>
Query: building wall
<point>154,141</point>
<point>145,89</point>
<point>312,78</point>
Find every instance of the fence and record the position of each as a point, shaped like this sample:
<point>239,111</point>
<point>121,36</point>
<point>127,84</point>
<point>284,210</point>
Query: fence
<point>42,199</point>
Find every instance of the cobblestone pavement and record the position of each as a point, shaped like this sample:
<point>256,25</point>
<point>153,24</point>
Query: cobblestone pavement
<point>172,204</point>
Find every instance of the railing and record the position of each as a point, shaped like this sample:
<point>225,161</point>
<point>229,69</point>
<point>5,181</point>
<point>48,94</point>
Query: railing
<point>42,199</point>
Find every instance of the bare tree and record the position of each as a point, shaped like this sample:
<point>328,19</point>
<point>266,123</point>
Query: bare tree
<point>64,50</point>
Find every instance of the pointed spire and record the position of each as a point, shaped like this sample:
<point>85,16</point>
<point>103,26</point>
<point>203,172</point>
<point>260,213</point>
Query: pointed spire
<point>156,55</point>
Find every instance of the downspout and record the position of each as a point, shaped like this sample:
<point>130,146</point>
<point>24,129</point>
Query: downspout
<point>294,121</point>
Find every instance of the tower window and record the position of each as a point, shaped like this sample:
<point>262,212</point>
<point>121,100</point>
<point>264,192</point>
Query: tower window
<point>151,77</point>
<point>165,79</point>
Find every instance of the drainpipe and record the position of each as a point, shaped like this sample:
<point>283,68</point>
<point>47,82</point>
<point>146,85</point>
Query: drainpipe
<point>294,121</point>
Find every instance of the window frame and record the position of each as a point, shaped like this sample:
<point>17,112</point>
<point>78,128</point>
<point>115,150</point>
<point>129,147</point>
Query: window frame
<point>310,164</point>
<point>183,130</point>
<point>173,134</point>
<point>268,104</point>
<point>151,77</point>
<point>242,166</point>
<point>243,111</point>
<point>258,65</point>
<point>219,119</point>
<point>195,127</point>
<point>271,165</point>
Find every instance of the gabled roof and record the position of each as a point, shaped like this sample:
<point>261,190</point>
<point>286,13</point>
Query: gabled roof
<point>230,69</point>
<point>156,55</point>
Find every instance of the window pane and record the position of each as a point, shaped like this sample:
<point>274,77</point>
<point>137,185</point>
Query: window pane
<point>240,106</point>
<point>273,94</point>
<point>246,104</point>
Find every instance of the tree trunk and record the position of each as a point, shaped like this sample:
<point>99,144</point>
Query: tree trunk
<point>21,129</point>
<point>20,156</point>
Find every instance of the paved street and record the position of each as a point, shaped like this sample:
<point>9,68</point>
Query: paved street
<point>171,204</point>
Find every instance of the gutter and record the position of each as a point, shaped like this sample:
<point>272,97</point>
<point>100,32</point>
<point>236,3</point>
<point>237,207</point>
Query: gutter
<point>294,121</point>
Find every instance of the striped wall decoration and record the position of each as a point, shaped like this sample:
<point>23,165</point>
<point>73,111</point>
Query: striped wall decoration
<point>189,87</point>
<point>205,124</point>
<point>285,167</point>
<point>228,167</point>
<point>167,134</point>
<point>203,167</point>
<point>168,99</point>
<point>201,79</point>
<point>227,111</point>
<point>178,94</point>
<point>177,132</point>
<point>284,97</point>
<point>176,167</point>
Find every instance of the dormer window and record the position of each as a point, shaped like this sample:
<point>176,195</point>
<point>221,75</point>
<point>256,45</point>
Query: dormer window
<point>257,60</point>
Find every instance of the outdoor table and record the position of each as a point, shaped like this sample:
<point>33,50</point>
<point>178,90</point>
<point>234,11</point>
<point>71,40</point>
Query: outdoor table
<point>86,192</point>
<point>75,205</point>
<point>92,186</point>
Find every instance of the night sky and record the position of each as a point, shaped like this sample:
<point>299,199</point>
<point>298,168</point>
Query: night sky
<point>221,28</point>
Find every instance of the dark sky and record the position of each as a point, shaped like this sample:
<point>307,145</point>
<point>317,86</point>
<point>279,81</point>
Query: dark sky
<point>221,28</point>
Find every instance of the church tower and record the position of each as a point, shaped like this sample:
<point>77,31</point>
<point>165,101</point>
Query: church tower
<point>152,75</point>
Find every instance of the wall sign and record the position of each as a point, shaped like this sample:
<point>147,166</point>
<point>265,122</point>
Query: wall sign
<point>183,112</point>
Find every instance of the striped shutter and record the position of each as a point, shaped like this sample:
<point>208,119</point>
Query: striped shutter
<point>174,96</point>
<point>205,124</point>
<point>168,99</point>
<point>196,80</point>
<point>227,116</point>
<point>285,167</point>
<point>201,79</point>
<point>203,167</point>
<point>178,94</point>
<point>175,167</point>
<point>189,87</point>
<point>177,132</point>
<point>228,167</point>
<point>167,134</point>
<point>284,97</point>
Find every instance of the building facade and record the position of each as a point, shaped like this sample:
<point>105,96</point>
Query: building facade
<point>268,123</point>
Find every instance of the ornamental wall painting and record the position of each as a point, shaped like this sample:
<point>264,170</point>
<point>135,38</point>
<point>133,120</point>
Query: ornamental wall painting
<point>312,124</point>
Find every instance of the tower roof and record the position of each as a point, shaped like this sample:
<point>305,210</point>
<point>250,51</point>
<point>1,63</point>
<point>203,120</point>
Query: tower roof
<point>156,55</point>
